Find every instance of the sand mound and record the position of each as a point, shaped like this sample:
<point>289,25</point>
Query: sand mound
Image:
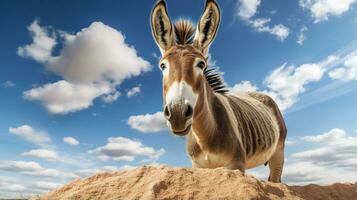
<point>167,183</point>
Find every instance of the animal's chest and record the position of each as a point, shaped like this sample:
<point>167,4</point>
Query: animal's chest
<point>210,160</point>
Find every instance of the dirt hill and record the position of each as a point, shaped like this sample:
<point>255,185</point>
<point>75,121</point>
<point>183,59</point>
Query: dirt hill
<point>162,182</point>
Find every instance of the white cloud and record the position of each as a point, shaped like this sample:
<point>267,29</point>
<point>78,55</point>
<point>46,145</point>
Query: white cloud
<point>63,97</point>
<point>110,98</point>
<point>71,141</point>
<point>244,86</point>
<point>298,173</point>
<point>45,186</point>
<point>125,149</point>
<point>286,82</point>
<point>301,37</point>
<point>247,8</point>
<point>332,159</point>
<point>337,149</point>
<point>133,91</point>
<point>8,84</point>
<point>43,154</point>
<point>321,9</point>
<point>12,188</point>
<point>290,141</point>
<point>20,166</point>
<point>331,136</point>
<point>349,71</point>
<point>42,46</point>
<point>30,134</point>
<point>92,62</point>
<point>280,31</point>
<point>148,123</point>
<point>32,169</point>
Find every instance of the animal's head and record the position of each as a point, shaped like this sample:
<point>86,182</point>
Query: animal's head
<point>184,61</point>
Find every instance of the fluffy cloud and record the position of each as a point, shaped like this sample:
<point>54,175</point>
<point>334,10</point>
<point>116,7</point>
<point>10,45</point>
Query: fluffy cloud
<point>133,91</point>
<point>337,149</point>
<point>349,71</point>
<point>301,37</point>
<point>280,31</point>
<point>125,149</point>
<point>8,84</point>
<point>42,46</point>
<point>286,82</point>
<point>70,141</point>
<point>92,63</point>
<point>247,8</point>
<point>332,160</point>
<point>12,188</point>
<point>30,134</point>
<point>148,123</point>
<point>63,97</point>
<point>244,86</point>
<point>111,97</point>
<point>43,154</point>
<point>32,169</point>
<point>321,9</point>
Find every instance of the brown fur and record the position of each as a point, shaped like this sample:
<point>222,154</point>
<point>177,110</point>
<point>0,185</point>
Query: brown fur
<point>228,130</point>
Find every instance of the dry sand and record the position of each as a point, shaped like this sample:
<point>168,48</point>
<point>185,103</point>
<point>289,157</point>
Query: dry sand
<point>162,182</point>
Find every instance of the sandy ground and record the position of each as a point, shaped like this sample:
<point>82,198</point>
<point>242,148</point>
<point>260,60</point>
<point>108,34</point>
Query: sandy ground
<point>162,182</point>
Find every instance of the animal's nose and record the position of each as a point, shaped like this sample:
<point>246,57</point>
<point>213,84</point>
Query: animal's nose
<point>189,111</point>
<point>178,115</point>
<point>167,112</point>
<point>179,111</point>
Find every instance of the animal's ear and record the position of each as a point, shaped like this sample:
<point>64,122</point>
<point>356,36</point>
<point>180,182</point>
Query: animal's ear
<point>207,26</point>
<point>161,26</point>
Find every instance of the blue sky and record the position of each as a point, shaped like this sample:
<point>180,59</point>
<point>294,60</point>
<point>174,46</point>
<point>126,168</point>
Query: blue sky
<point>81,90</point>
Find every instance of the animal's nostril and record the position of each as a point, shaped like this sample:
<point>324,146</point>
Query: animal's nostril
<point>189,111</point>
<point>167,112</point>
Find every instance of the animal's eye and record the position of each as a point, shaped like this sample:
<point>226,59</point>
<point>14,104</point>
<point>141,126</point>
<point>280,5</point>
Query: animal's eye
<point>201,65</point>
<point>162,66</point>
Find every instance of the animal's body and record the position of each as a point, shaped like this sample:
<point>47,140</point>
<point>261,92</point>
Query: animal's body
<point>236,131</point>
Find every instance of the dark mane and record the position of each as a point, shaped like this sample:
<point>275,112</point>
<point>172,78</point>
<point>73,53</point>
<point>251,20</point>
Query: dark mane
<point>184,33</point>
<point>214,78</point>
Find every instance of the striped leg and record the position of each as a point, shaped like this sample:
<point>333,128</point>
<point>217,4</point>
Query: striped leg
<point>276,163</point>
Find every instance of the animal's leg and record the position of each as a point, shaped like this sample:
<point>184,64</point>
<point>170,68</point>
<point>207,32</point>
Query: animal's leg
<point>276,163</point>
<point>194,164</point>
<point>236,165</point>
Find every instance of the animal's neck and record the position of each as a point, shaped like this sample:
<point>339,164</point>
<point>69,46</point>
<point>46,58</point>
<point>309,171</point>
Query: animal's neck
<point>204,124</point>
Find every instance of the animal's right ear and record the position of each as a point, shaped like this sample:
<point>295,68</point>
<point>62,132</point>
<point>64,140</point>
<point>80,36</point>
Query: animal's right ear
<point>161,26</point>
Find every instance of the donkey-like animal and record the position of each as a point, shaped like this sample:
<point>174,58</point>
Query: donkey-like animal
<point>236,131</point>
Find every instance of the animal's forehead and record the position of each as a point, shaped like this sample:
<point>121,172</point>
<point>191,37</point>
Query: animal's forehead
<point>180,51</point>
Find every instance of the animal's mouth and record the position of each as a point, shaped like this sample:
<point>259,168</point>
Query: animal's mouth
<point>183,132</point>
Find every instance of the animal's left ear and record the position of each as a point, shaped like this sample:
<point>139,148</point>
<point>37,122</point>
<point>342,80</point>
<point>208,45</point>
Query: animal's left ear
<point>207,26</point>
